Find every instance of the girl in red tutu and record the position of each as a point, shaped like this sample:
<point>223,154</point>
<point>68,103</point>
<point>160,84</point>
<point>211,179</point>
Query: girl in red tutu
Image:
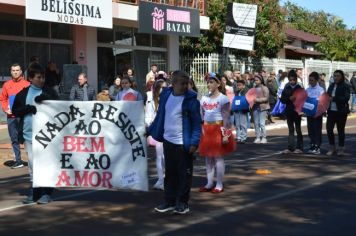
<point>217,139</point>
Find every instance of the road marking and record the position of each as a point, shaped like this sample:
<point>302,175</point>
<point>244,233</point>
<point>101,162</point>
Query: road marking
<point>312,184</point>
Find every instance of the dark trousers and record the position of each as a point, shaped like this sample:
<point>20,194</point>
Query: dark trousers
<point>178,174</point>
<point>315,126</point>
<point>13,128</point>
<point>293,121</point>
<point>338,118</point>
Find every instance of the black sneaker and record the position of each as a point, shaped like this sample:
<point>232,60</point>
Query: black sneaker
<point>316,151</point>
<point>181,208</point>
<point>28,200</point>
<point>17,165</point>
<point>164,207</point>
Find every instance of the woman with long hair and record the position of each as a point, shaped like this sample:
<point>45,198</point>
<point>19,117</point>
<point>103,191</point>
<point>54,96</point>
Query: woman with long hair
<point>339,93</point>
<point>150,114</point>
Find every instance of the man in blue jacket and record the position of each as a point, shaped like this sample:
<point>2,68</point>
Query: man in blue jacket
<point>178,126</point>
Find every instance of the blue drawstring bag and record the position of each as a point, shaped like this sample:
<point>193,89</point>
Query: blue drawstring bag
<point>310,106</point>
<point>239,103</point>
<point>11,101</point>
<point>278,109</point>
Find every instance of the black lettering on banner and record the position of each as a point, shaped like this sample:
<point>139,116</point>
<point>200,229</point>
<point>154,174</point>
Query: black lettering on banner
<point>65,159</point>
<point>92,161</point>
<point>91,127</point>
<point>105,162</point>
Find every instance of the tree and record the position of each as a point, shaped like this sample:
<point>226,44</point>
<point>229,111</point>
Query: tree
<point>269,30</point>
<point>338,43</point>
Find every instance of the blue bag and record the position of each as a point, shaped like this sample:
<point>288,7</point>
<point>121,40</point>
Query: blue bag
<point>11,101</point>
<point>278,109</point>
<point>239,103</point>
<point>310,106</point>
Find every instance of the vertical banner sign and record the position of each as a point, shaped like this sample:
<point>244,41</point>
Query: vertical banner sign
<point>90,145</point>
<point>163,19</point>
<point>240,26</point>
<point>78,12</point>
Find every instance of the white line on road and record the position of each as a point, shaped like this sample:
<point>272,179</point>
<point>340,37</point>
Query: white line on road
<point>312,184</point>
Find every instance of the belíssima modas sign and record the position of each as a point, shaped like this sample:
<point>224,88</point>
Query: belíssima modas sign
<point>79,12</point>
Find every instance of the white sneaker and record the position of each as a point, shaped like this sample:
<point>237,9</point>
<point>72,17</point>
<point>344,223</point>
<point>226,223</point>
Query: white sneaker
<point>298,151</point>
<point>158,186</point>
<point>286,151</point>
<point>257,140</point>
<point>263,140</point>
<point>341,151</point>
<point>331,151</point>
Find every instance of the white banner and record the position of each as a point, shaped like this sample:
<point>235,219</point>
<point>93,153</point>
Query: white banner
<point>90,145</point>
<point>78,12</point>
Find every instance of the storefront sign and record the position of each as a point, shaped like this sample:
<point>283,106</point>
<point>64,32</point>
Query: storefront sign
<point>163,19</point>
<point>240,26</point>
<point>79,12</point>
<point>89,145</point>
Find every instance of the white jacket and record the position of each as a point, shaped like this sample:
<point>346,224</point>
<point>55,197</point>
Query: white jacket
<point>315,92</point>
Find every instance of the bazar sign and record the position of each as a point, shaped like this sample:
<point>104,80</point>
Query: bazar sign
<point>78,12</point>
<point>163,19</point>
<point>89,145</point>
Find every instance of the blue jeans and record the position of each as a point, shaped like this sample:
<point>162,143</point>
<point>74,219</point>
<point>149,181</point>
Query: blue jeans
<point>353,102</point>
<point>259,118</point>
<point>13,127</point>
<point>241,121</point>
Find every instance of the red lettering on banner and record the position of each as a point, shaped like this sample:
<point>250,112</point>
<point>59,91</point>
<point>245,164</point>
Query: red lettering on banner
<point>85,179</point>
<point>83,144</point>
<point>80,179</point>
<point>63,178</point>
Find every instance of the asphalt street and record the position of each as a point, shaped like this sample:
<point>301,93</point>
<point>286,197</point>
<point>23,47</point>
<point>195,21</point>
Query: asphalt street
<point>303,195</point>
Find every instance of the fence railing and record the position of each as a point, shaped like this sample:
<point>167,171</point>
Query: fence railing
<point>199,65</point>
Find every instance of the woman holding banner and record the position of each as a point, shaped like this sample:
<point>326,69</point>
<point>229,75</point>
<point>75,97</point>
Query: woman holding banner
<point>339,93</point>
<point>314,121</point>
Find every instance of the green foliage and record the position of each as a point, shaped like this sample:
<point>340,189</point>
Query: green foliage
<point>269,30</point>
<point>339,43</point>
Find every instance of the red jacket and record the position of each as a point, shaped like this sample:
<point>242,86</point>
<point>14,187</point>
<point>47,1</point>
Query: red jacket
<point>9,91</point>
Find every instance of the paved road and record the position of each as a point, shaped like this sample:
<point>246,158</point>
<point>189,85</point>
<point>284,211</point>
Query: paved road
<point>304,195</point>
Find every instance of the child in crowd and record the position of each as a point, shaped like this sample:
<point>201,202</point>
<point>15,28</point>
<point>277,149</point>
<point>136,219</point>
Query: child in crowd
<point>150,114</point>
<point>217,139</point>
<point>178,125</point>
<point>240,109</point>
<point>260,109</point>
<point>103,95</point>
<point>115,88</point>
<point>293,118</point>
<point>24,108</point>
<point>191,85</point>
<point>315,124</point>
<point>127,93</point>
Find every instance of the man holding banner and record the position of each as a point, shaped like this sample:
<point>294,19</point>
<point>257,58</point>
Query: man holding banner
<point>24,108</point>
<point>178,125</point>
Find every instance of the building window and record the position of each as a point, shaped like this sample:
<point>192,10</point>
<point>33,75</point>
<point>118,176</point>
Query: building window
<point>39,29</point>
<point>61,31</point>
<point>11,24</point>
<point>11,52</point>
<point>105,36</point>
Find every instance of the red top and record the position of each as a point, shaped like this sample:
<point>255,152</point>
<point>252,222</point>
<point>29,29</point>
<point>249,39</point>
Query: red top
<point>9,91</point>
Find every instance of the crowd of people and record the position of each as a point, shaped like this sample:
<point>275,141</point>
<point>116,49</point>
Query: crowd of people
<point>178,124</point>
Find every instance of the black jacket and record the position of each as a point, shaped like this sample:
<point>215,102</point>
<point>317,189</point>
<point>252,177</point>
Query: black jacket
<point>287,92</point>
<point>342,96</point>
<point>20,109</point>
